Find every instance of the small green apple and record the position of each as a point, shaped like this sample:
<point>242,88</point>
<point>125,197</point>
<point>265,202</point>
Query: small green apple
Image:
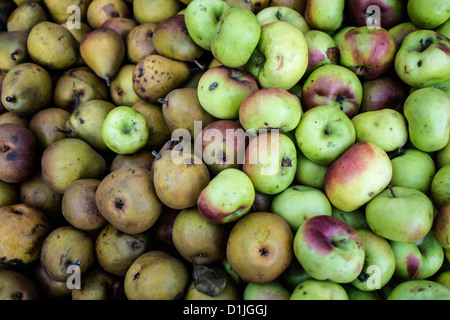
<point>273,290</point>
<point>444,28</point>
<point>313,289</point>
<point>282,13</point>
<point>443,156</point>
<point>125,130</point>
<point>419,290</point>
<point>309,173</point>
<point>430,14</point>
<point>440,186</point>
<point>325,15</point>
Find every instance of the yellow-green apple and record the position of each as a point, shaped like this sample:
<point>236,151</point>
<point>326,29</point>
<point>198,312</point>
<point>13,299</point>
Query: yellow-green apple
<point>440,186</point>
<point>379,262</point>
<point>221,91</point>
<point>309,173</point>
<point>390,14</point>
<point>400,31</point>
<point>329,249</point>
<point>271,162</point>
<point>443,156</point>
<point>324,133</point>
<point>368,52</point>
<point>322,50</point>
<point>221,145</point>
<point>443,278</point>
<point>227,197</point>
<point>333,85</point>
<point>385,92</point>
<point>444,28</point>
<point>423,59</point>
<point>298,203</point>
<point>413,169</point>
<point>282,13</point>
<point>427,111</point>
<point>298,5</point>
<point>125,130</point>
<point>355,218</point>
<point>429,14</point>
<point>270,108</point>
<point>273,290</point>
<point>400,214</point>
<point>419,290</point>
<point>259,247</point>
<point>357,176</point>
<point>387,128</point>
<point>202,18</point>
<point>441,226</point>
<point>418,260</point>
<point>358,294</point>
<point>313,289</point>
<point>325,15</point>
<point>337,37</point>
<point>281,56</point>
<point>237,37</point>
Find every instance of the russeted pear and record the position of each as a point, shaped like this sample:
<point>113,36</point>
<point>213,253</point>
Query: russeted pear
<point>86,122</point>
<point>103,50</point>
<point>43,124</point>
<point>26,16</point>
<point>181,108</point>
<point>98,284</point>
<point>78,85</point>
<point>70,159</point>
<point>140,42</point>
<point>52,46</point>
<point>59,9</point>
<point>26,89</point>
<point>122,92</point>
<point>13,50</point>
<point>101,10</point>
<point>155,76</point>
<point>172,40</point>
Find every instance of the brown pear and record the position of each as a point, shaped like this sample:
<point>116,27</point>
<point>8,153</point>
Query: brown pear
<point>122,26</point>
<point>116,251</point>
<point>142,159</point>
<point>26,16</point>
<point>181,109</point>
<point>78,85</point>
<point>12,117</point>
<point>98,284</point>
<point>65,247</point>
<point>52,46</point>
<point>17,285</point>
<point>59,9</point>
<point>44,122</point>
<point>159,131</point>
<point>155,76</point>
<point>23,229</point>
<point>9,193</point>
<point>122,92</point>
<point>101,10</point>
<point>26,89</point>
<point>126,198</point>
<point>103,50</point>
<point>172,40</point>
<point>13,50</point>
<point>78,205</point>
<point>140,42</point>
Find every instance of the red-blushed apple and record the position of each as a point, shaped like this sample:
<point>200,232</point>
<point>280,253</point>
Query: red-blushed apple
<point>357,176</point>
<point>322,50</point>
<point>333,85</point>
<point>359,14</point>
<point>441,226</point>
<point>368,52</point>
<point>329,249</point>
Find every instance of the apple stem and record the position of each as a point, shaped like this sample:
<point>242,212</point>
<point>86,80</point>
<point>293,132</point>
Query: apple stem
<point>156,155</point>
<point>392,190</point>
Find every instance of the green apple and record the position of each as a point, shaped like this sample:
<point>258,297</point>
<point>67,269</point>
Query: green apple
<point>357,176</point>
<point>227,197</point>
<point>419,290</point>
<point>312,289</point>
<point>400,31</point>
<point>337,37</point>
<point>400,214</point>
<point>423,59</point>
<point>325,15</point>
<point>443,156</point>
<point>440,186</point>
<point>237,38</point>
<point>221,91</point>
<point>324,133</point>
<point>322,50</point>
<point>298,203</point>
<point>444,28</point>
<point>270,108</point>
<point>273,290</point>
<point>413,169</point>
<point>387,128</point>
<point>309,173</point>
<point>271,162</point>
<point>444,278</point>
<point>293,275</point>
<point>357,294</point>
<point>427,111</point>
<point>282,13</point>
<point>125,130</point>
<point>329,249</point>
<point>418,260</point>
<point>429,14</point>
<point>356,218</point>
<point>441,226</point>
<point>379,262</point>
<point>281,57</point>
<point>202,19</point>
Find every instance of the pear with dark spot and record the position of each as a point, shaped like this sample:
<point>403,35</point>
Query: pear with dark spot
<point>17,285</point>
<point>13,50</point>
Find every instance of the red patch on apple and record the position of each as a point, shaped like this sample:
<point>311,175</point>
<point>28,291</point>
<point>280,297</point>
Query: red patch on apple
<point>412,265</point>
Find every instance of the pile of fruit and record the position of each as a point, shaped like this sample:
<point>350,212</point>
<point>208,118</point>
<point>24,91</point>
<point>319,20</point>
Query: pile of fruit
<point>225,149</point>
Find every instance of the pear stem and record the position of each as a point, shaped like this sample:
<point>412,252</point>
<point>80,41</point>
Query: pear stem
<point>156,155</point>
<point>163,101</point>
<point>62,130</point>
<point>392,190</point>
<point>201,66</point>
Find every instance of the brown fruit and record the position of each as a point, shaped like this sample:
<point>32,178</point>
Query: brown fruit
<point>12,117</point>
<point>48,287</point>
<point>122,26</point>
<point>140,42</point>
<point>98,284</point>
<point>43,125</point>
<point>13,50</point>
<point>141,159</point>
<point>101,10</point>
<point>16,285</point>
